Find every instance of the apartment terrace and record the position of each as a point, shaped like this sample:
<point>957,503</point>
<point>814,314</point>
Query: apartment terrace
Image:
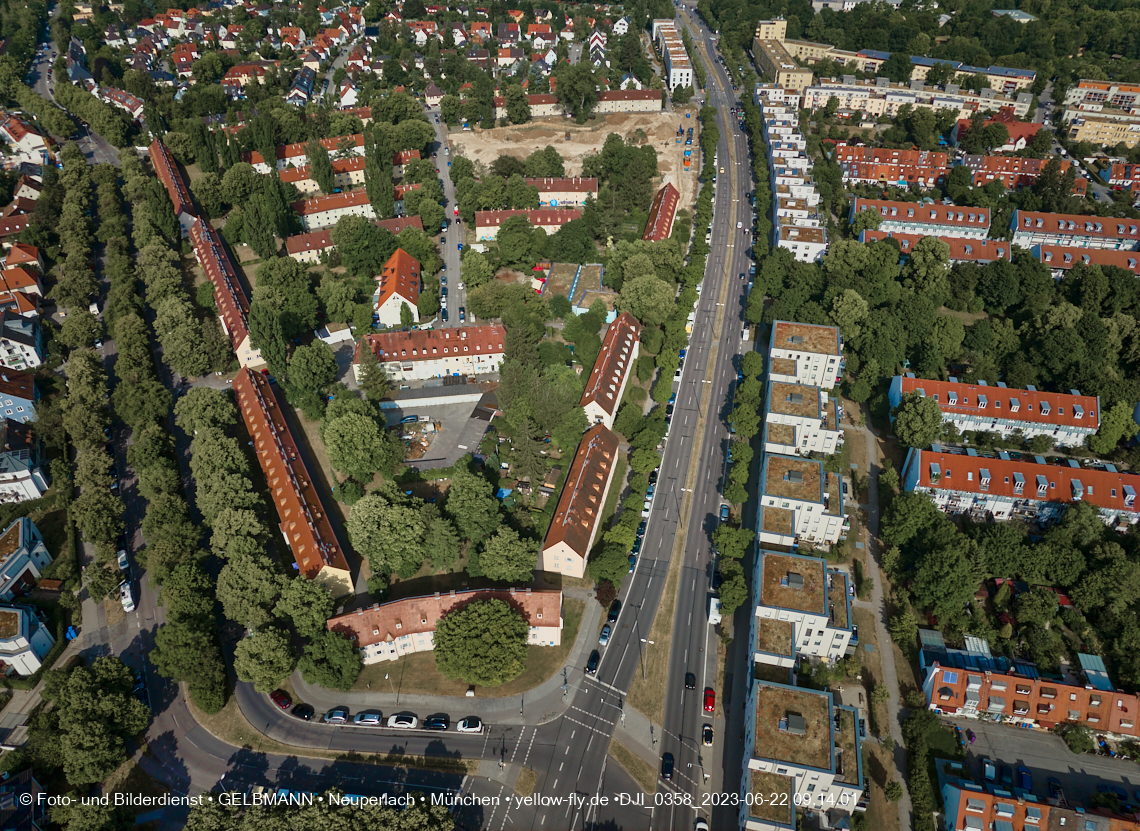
<point>794,400</point>
<point>779,521</point>
<point>10,541</point>
<point>783,366</point>
<point>803,741</point>
<point>792,478</point>
<point>774,802</point>
<point>820,340</point>
<point>775,637</point>
<point>784,434</point>
<point>839,601</point>
<point>847,763</point>
<point>779,589</point>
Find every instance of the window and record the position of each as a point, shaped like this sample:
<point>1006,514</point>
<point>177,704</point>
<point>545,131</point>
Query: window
<point>950,677</point>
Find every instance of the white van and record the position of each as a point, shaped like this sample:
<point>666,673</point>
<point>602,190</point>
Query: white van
<point>714,611</point>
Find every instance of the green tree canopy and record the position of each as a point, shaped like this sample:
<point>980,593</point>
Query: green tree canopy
<point>483,643</point>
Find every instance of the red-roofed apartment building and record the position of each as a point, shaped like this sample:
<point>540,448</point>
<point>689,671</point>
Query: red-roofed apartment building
<point>1040,702</point>
<point>929,220</point>
<point>22,255</point>
<point>297,154</point>
<point>307,248</point>
<point>629,101</point>
<point>388,631</point>
<point>1020,132</point>
<point>564,193</point>
<point>230,295</point>
<point>166,169</point>
<point>1067,418</point>
<point>304,522</point>
<point>433,353</point>
<point>1023,489</point>
<point>347,173</point>
<point>27,144</point>
<point>397,285</point>
<point>579,512</point>
<point>961,250</point>
<point>902,175</point>
<point>324,211</point>
<point>549,219</point>
<point>612,369</point>
<point>1032,228</point>
<point>1015,171</point>
<point>661,213</point>
<point>1061,259</point>
<point>1123,177</point>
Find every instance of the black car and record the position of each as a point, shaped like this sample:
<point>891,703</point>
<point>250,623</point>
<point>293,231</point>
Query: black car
<point>718,578</point>
<point>592,663</point>
<point>667,766</point>
<point>615,610</point>
<point>653,475</point>
<point>641,529</point>
<point>690,681</point>
<point>443,314</point>
<point>437,723</point>
<point>304,712</point>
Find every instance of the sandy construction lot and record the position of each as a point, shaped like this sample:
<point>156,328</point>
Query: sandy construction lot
<point>660,128</point>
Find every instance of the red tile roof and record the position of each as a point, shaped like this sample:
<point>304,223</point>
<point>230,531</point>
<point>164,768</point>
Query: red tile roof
<point>404,188</point>
<point>18,384</point>
<point>875,172</point>
<point>10,225</point>
<point>21,254</point>
<point>961,250</point>
<point>166,169</point>
<point>400,275</point>
<point>580,506</point>
<point>575,184</point>
<point>304,522</point>
<point>229,293</point>
<point>19,302</point>
<point>298,149</point>
<point>339,166</point>
<point>883,155</point>
<point>538,216</point>
<point>320,240</point>
<point>20,279</point>
<point>1077,226</point>
<point>630,95</point>
<point>384,622</point>
<point>320,204</point>
<point>1060,256</point>
<point>1001,400</point>
<point>934,215</point>
<point>404,156</point>
<point>1113,491</point>
<point>433,344</point>
<point>613,364</point>
<point>661,214</point>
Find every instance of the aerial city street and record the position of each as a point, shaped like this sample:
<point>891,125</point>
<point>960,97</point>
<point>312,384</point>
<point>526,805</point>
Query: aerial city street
<point>581,416</point>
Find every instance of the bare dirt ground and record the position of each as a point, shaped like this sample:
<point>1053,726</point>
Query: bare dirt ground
<point>586,139</point>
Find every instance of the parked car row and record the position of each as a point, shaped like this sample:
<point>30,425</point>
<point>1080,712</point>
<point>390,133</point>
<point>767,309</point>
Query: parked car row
<point>374,718</point>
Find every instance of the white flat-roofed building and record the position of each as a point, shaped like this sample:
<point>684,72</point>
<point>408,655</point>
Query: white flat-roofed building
<point>803,608</point>
<point>1026,488</point>
<point>800,419</point>
<point>805,353</point>
<point>808,245</point>
<point>800,501</point>
<point>1067,418</point>
<point>880,97</point>
<point>24,640</point>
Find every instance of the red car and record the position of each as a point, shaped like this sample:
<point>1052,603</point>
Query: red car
<point>710,699</point>
<point>281,699</point>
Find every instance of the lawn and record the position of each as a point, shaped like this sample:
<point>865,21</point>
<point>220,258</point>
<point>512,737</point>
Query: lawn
<point>646,696</point>
<point>643,773</point>
<point>615,491</point>
<point>524,787</point>
<point>416,674</point>
<point>132,779</point>
<point>943,744</point>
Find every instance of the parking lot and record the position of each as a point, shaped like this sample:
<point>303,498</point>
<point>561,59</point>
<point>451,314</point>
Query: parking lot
<point>1046,755</point>
<point>457,431</point>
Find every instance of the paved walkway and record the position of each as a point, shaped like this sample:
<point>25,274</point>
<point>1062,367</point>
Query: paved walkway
<point>550,698</point>
<point>895,712</point>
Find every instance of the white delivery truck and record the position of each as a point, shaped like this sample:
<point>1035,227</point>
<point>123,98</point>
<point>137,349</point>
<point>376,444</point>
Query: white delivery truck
<point>714,610</point>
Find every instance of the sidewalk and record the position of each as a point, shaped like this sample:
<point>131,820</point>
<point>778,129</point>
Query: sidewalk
<point>547,698</point>
<point>895,712</point>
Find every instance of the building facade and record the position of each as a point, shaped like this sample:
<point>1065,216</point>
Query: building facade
<point>23,558</point>
<point>1061,259</point>
<point>1032,228</point>
<point>230,294</point>
<point>961,250</point>
<point>549,219</point>
<point>1066,418</point>
<point>1026,489</point>
<point>565,192</point>
<point>579,512</point>
<point>397,287</point>
<point>420,354</point>
<point>926,219</point>
<point>24,640</point>
<point>389,631</point>
<point>325,211</point>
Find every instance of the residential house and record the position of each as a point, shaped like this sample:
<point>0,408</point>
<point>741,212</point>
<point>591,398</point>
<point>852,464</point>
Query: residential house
<point>801,420</point>
<point>1067,419</point>
<point>21,341</point>
<point>564,192</point>
<point>432,95</point>
<point>25,144</point>
<point>22,474</point>
<point>24,642</point>
<point>1061,260</point>
<point>22,808</point>
<point>661,213</point>
<point>612,370</point>
<point>800,501</point>
<point>389,631</point>
<point>927,219</point>
<point>324,211</point>
<point>805,353</point>
<point>1015,172</point>
<point>803,608</point>
<point>397,286</point>
<point>961,250</point>
<point>304,524</point>
<point>629,101</point>
<point>23,556</point>
<point>549,219</point>
<point>230,294</point>
<point>421,354</point>
<point>1032,228</point>
<point>307,248</point>
<point>302,89</point>
<point>168,173</point>
<point>18,395</point>
<point>578,515</point>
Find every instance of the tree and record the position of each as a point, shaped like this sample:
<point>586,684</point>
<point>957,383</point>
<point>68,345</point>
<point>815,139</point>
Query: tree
<point>357,447</point>
<point>476,269</point>
<point>484,643</point>
<point>576,89</point>
<point>450,109</point>
<point>373,379</point>
<point>917,420</point>
<point>867,219</point>
<point>647,298</point>
<point>331,660</point>
<point>308,604</point>
<point>391,534</point>
<point>203,407</point>
<point>897,67</point>
<point>266,658</point>
<point>1117,424</point>
<point>441,542</point>
<point>893,791</point>
<point>517,104</point>
<point>682,95</point>
<point>471,503</point>
<point>80,329</point>
<point>1078,737</point>
<point>181,650</point>
<point>516,241</point>
<point>312,370</point>
<point>320,166</point>
<point>248,588</point>
<point>508,558</point>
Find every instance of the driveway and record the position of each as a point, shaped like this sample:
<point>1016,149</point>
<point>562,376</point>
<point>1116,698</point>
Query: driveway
<point>1045,754</point>
<point>458,433</point>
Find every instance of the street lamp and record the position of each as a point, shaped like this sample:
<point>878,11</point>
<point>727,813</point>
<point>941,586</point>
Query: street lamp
<point>390,685</point>
<point>643,653</point>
